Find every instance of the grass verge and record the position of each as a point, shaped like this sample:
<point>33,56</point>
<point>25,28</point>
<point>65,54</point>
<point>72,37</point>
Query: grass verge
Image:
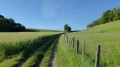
<point>66,56</point>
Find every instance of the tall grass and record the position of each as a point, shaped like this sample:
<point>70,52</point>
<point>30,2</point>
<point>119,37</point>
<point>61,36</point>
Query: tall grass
<point>37,57</point>
<point>109,41</point>
<point>13,37</point>
<point>66,56</point>
<point>108,27</point>
<point>22,46</point>
<point>106,35</point>
<point>109,47</point>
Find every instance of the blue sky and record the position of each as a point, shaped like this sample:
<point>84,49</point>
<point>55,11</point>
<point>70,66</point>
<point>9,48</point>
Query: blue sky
<point>54,14</point>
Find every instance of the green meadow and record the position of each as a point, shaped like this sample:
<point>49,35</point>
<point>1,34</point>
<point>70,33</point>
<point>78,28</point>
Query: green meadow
<point>31,49</point>
<point>106,35</point>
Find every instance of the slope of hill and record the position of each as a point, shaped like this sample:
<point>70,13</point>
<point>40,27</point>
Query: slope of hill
<point>106,35</point>
<point>108,27</point>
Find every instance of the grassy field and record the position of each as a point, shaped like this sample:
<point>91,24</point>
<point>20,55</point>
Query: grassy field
<point>6,37</point>
<point>108,27</point>
<point>15,47</point>
<point>42,30</point>
<point>106,35</point>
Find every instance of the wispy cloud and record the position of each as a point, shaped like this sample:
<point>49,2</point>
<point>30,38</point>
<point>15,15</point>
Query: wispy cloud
<point>50,8</point>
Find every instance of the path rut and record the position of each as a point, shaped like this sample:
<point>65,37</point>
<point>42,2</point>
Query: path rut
<point>22,62</point>
<point>53,54</point>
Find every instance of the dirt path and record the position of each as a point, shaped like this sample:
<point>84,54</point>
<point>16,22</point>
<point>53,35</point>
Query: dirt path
<point>53,54</point>
<point>52,58</point>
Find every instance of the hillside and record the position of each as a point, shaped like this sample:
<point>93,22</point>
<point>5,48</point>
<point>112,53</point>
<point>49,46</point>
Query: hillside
<point>106,35</point>
<point>108,27</point>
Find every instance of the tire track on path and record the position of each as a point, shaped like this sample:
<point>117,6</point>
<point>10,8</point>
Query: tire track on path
<point>53,54</point>
<point>22,62</point>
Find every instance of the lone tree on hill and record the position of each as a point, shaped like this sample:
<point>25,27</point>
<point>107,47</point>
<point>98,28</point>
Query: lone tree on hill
<point>67,28</point>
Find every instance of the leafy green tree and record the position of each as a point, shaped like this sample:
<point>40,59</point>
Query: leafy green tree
<point>67,28</point>
<point>108,16</point>
<point>1,16</point>
<point>10,25</point>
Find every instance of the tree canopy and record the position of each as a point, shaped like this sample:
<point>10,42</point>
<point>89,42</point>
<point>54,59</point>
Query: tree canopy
<point>108,16</point>
<point>9,25</point>
<point>67,28</point>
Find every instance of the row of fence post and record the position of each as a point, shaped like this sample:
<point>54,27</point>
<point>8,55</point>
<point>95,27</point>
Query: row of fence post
<point>71,41</point>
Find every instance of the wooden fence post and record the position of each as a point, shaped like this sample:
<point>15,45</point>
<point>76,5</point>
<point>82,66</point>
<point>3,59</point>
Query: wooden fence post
<point>97,61</point>
<point>83,48</point>
<point>70,40</point>
<point>73,41</point>
<point>77,47</point>
<point>83,52</point>
<point>64,35</point>
<point>67,38</point>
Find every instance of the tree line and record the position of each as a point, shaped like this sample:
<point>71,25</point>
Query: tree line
<point>9,25</point>
<point>108,16</point>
